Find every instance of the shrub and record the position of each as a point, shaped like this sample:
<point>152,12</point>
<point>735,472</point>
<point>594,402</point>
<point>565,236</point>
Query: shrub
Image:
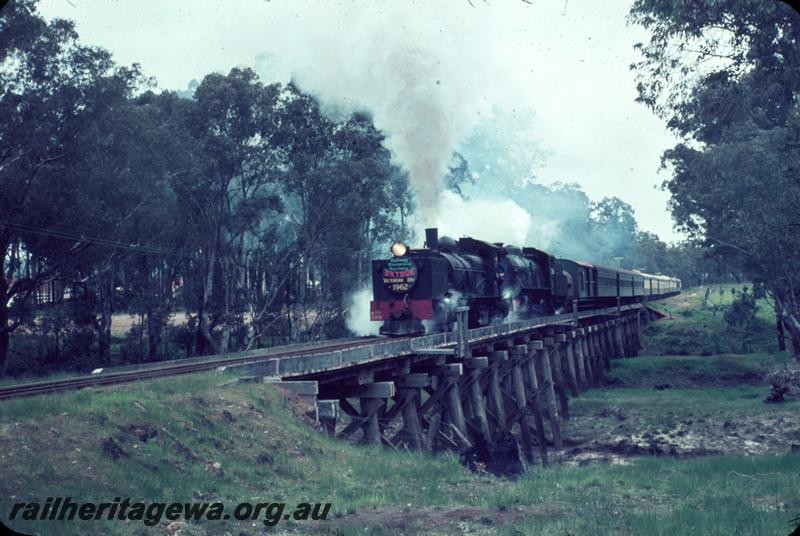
<point>741,315</point>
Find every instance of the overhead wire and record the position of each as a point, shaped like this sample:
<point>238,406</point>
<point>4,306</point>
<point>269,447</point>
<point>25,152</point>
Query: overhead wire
<point>101,241</point>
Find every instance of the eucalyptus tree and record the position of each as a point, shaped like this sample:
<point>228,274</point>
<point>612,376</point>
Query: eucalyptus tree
<point>234,120</point>
<point>342,196</point>
<point>52,89</point>
<point>282,206</point>
<point>134,155</point>
<point>726,77</point>
<point>614,230</point>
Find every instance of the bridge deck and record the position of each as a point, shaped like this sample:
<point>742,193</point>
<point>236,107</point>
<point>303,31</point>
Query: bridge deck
<point>305,366</point>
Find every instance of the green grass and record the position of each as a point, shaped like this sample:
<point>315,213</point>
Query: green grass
<point>52,446</point>
<point>694,329</point>
<point>268,451</point>
<point>694,371</point>
<point>716,495</point>
<point>660,403</point>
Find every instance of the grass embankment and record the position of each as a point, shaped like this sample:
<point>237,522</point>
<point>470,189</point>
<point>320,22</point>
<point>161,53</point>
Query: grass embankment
<point>188,439</point>
<point>173,431</point>
<point>695,328</point>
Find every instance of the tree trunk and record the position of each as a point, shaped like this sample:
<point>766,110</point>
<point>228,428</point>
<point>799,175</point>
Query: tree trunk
<point>225,338</point>
<point>790,319</point>
<point>228,281</point>
<point>140,347</point>
<point>106,294</point>
<point>779,327</point>
<point>189,328</point>
<point>155,326</point>
<point>205,340</point>
<point>199,345</point>
<point>4,335</point>
<point>793,326</point>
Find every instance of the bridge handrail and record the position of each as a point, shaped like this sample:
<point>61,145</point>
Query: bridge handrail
<point>288,367</point>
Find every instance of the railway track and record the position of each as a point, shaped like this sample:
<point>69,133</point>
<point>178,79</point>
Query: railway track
<point>112,378</point>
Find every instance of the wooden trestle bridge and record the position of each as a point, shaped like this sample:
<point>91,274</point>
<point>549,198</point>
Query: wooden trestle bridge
<point>454,390</point>
<point>458,389</point>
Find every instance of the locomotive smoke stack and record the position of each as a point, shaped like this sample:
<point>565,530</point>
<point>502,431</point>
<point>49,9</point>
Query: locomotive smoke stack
<point>432,238</point>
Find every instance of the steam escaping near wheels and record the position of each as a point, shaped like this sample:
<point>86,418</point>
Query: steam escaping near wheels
<point>357,316</point>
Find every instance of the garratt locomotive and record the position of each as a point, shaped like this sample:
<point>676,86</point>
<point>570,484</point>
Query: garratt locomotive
<point>496,281</point>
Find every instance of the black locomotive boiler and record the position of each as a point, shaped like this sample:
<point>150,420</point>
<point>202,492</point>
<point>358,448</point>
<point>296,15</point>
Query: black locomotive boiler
<point>419,287</point>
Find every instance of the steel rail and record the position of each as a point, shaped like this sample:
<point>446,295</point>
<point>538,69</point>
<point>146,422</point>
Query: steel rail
<point>125,374</point>
<point>112,378</point>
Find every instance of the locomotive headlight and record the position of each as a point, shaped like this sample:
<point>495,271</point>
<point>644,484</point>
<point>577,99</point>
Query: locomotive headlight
<point>399,249</point>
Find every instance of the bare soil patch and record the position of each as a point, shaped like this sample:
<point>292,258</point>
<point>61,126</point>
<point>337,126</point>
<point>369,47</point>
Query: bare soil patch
<point>604,438</point>
<point>121,324</point>
<point>443,520</point>
<point>619,434</point>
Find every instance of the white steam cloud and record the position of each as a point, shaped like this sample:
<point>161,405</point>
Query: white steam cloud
<point>427,75</point>
<point>489,219</point>
<point>542,233</point>
<point>357,316</point>
<point>425,82</point>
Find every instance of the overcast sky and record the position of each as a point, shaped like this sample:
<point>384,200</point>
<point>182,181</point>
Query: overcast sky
<point>565,61</point>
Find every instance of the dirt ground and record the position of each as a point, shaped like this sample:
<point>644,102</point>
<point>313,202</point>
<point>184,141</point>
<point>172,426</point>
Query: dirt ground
<point>438,520</point>
<point>653,420</point>
<point>122,324</point>
<point>696,418</point>
<point>618,435</point>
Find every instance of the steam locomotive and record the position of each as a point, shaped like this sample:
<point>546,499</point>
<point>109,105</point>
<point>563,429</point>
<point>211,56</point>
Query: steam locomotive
<point>418,287</point>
